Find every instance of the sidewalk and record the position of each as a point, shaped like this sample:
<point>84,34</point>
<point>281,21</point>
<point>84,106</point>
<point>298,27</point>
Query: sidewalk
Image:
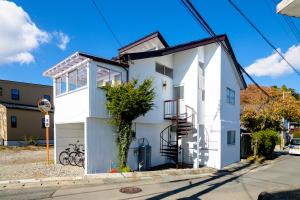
<point>104,178</point>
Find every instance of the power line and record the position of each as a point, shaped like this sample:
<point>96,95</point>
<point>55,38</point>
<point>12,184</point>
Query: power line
<point>189,6</point>
<point>262,35</point>
<point>291,25</point>
<point>281,21</point>
<point>106,22</point>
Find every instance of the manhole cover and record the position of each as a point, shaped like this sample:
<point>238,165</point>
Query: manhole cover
<point>130,190</point>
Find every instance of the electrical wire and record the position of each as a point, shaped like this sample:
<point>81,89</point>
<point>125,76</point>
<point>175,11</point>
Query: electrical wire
<point>262,35</point>
<point>189,6</point>
<point>288,20</point>
<point>106,22</point>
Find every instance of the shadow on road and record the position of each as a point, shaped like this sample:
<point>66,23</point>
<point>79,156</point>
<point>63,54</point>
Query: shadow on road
<point>216,176</point>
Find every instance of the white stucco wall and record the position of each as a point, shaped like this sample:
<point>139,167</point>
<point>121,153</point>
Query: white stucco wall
<point>230,114</point>
<point>151,132</point>
<point>186,75</point>
<point>97,98</point>
<point>145,68</point>
<point>100,146</point>
<point>72,107</point>
<point>66,134</point>
<point>210,140</point>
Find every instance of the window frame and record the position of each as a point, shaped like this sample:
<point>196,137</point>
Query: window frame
<point>230,96</point>
<point>60,78</point>
<point>15,97</point>
<point>164,67</point>
<point>109,75</point>
<point>75,71</point>
<point>15,121</point>
<point>230,141</point>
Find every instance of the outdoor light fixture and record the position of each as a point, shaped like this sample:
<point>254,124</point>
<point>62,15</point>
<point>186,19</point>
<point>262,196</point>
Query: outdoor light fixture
<point>164,84</point>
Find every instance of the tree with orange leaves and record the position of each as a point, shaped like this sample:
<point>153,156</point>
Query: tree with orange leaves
<point>260,112</point>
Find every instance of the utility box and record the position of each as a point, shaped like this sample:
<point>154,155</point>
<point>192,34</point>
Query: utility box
<point>144,155</point>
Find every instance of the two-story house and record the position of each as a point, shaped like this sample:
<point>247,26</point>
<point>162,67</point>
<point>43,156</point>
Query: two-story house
<point>20,117</point>
<point>196,117</point>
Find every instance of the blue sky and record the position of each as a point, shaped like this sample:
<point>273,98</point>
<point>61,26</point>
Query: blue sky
<point>79,21</point>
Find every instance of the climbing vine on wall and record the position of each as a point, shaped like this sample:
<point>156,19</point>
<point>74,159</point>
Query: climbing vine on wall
<point>125,103</point>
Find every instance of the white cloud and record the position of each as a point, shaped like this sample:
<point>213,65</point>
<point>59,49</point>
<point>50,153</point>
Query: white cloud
<point>19,36</point>
<point>62,38</point>
<point>274,66</point>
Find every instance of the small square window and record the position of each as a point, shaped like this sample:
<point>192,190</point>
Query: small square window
<point>13,121</point>
<point>230,96</point>
<point>164,70</point>
<point>231,137</point>
<point>47,97</point>
<point>15,94</point>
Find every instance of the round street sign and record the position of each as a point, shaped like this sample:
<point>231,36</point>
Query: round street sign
<point>44,105</point>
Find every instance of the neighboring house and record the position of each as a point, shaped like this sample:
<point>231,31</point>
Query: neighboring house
<point>289,7</point>
<point>197,88</point>
<point>19,115</point>
<point>293,126</point>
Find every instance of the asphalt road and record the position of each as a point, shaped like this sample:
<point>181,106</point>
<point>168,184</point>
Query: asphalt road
<point>243,183</point>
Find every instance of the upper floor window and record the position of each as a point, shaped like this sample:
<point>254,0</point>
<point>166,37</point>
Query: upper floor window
<point>60,85</point>
<point>47,97</point>
<point>230,96</point>
<point>231,137</point>
<point>77,78</point>
<point>106,76</point>
<point>1,91</point>
<point>15,94</point>
<point>13,121</point>
<point>159,68</point>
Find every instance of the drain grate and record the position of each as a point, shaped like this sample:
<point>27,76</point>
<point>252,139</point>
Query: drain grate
<point>130,190</point>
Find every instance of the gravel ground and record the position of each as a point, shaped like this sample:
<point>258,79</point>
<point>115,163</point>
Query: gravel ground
<point>20,163</point>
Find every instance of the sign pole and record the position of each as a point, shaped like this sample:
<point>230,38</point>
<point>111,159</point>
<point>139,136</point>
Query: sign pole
<point>45,106</point>
<point>47,142</point>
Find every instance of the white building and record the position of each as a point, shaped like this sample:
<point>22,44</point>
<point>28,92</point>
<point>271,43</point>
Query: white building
<point>289,7</point>
<point>196,117</point>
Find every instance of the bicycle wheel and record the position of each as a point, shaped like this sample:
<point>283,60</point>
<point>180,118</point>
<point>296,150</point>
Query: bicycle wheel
<point>79,161</point>
<point>72,158</point>
<point>64,158</point>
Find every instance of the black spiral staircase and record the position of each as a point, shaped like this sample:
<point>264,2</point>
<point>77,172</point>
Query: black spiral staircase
<point>182,125</point>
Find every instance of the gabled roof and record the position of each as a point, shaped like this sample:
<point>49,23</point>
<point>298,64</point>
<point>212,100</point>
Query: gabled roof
<point>173,49</point>
<point>187,46</point>
<point>143,40</point>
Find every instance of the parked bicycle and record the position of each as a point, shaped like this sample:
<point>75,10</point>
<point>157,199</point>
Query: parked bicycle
<point>74,157</point>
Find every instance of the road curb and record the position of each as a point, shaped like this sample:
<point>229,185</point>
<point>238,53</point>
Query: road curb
<point>102,178</point>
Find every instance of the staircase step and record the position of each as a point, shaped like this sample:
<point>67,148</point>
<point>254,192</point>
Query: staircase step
<point>185,124</point>
<point>184,128</point>
<point>169,153</point>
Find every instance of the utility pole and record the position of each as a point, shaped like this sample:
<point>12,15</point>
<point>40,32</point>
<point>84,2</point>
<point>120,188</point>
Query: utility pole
<point>282,143</point>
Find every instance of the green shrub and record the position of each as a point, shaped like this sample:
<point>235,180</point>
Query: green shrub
<point>263,142</point>
<point>296,134</point>
<point>125,169</point>
<point>30,140</point>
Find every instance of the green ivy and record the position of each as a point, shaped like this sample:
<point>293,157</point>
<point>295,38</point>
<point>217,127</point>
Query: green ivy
<point>125,103</point>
